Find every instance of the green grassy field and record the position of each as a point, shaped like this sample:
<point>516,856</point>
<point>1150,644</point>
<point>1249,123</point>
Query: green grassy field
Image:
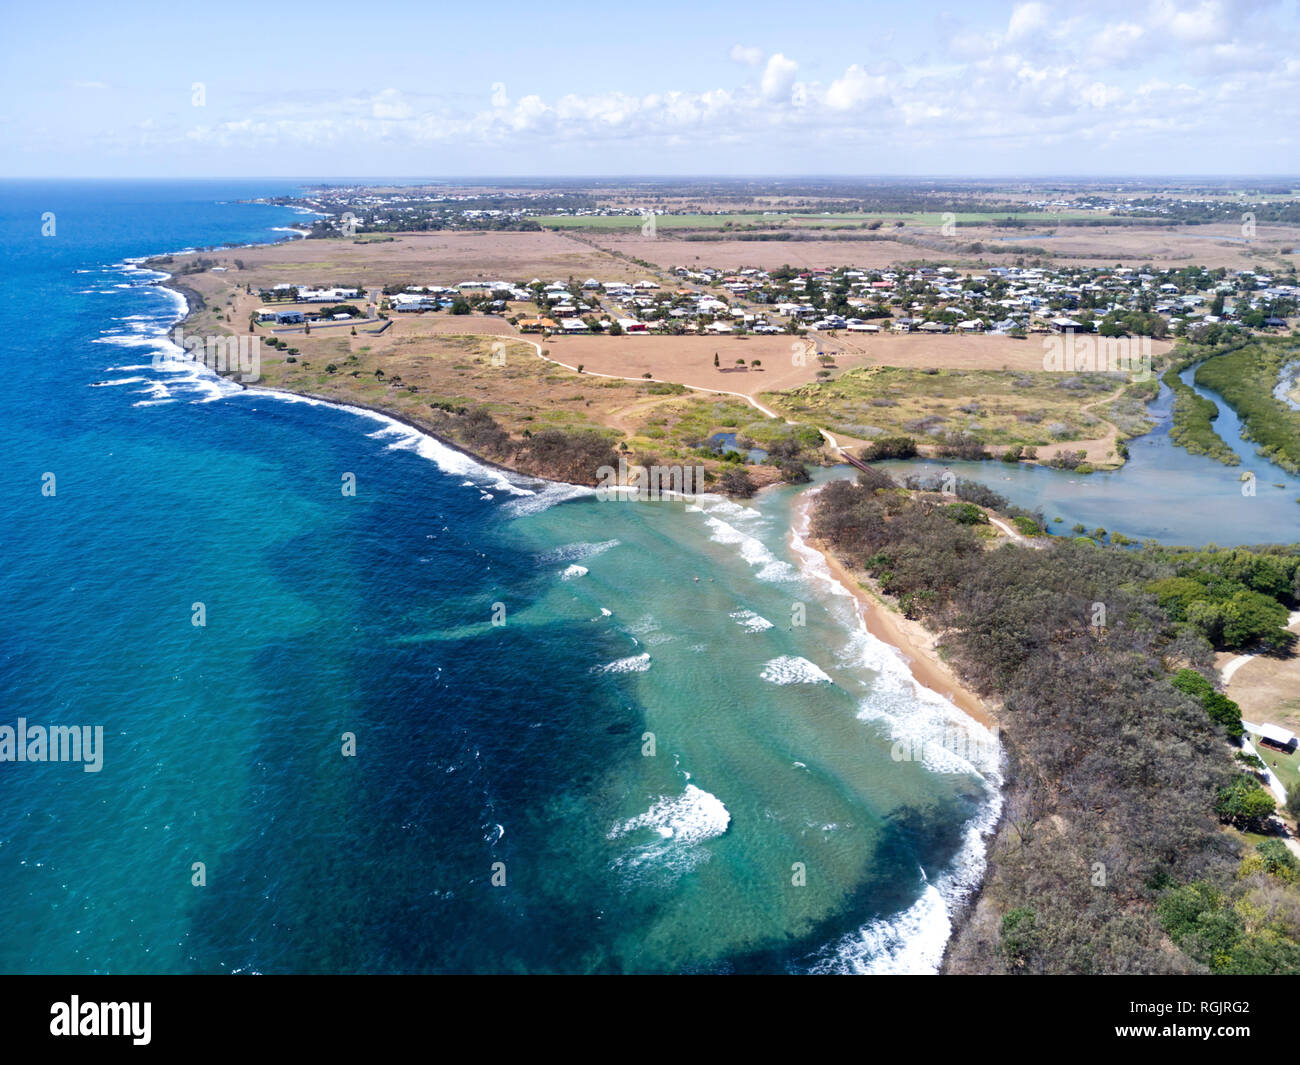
<point>933,219</point>
<point>1288,765</point>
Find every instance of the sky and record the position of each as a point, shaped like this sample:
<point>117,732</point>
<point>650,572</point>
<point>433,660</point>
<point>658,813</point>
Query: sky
<point>234,89</point>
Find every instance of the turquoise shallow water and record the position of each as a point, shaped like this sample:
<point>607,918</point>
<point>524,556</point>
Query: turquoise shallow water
<point>771,828</point>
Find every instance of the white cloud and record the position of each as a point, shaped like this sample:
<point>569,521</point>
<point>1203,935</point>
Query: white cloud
<point>1025,20</point>
<point>390,104</point>
<point>1203,23</point>
<point>991,91</point>
<point>778,77</point>
<point>854,89</point>
<point>1116,42</point>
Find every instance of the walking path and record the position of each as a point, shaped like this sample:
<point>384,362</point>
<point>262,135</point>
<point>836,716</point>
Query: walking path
<point>1275,785</point>
<point>1236,663</point>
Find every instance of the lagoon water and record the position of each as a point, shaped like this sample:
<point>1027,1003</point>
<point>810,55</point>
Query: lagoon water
<point>1162,492</point>
<point>668,775</point>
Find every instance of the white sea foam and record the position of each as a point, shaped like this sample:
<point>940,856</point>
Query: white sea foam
<point>911,942</point>
<point>680,825</point>
<point>569,572</point>
<point>154,390</point>
<point>792,669</point>
<point>924,725</point>
<point>407,438</point>
<point>632,664</point>
<point>691,817</point>
<point>128,340</point>
<point>529,495</point>
<point>583,551</point>
<point>919,720</point>
<point>770,568</point>
<point>750,622</point>
<point>551,493</point>
<point>914,940</point>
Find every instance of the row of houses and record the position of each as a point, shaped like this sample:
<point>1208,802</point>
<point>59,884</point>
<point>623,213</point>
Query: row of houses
<point>307,294</point>
<point>1003,299</point>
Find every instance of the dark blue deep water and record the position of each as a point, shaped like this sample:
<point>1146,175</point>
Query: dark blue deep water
<point>517,750</point>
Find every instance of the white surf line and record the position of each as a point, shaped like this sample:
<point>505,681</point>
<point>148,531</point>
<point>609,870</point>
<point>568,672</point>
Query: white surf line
<point>1228,670</point>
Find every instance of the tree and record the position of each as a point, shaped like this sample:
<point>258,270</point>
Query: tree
<point>1252,616</point>
<point>1244,803</point>
<point>737,482</point>
<point>793,472</point>
<point>1272,857</point>
<point>715,360</point>
<point>1019,936</point>
<point>890,447</point>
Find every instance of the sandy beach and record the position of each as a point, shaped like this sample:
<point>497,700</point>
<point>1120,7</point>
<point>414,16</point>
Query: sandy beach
<point>910,638</point>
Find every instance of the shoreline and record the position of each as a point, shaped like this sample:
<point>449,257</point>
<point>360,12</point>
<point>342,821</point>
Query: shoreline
<point>912,640</point>
<point>194,303</point>
<point>914,644</point>
<point>908,639</point>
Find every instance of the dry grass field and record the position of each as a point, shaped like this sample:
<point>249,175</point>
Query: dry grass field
<point>1272,248</point>
<point>440,257</point>
<point>441,358</point>
<point>1268,690</point>
<point>668,251</point>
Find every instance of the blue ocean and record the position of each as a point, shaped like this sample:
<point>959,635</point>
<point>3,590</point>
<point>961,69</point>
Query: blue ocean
<point>348,767</point>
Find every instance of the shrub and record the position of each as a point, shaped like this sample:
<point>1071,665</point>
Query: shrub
<point>1244,803</point>
<point>964,513</point>
<point>890,447</point>
<point>737,482</point>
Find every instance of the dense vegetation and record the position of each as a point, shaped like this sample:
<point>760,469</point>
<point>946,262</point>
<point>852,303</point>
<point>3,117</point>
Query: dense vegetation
<point>1121,771</point>
<point>1233,598</point>
<point>1246,378</point>
<point>562,455</point>
<point>1193,427</point>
